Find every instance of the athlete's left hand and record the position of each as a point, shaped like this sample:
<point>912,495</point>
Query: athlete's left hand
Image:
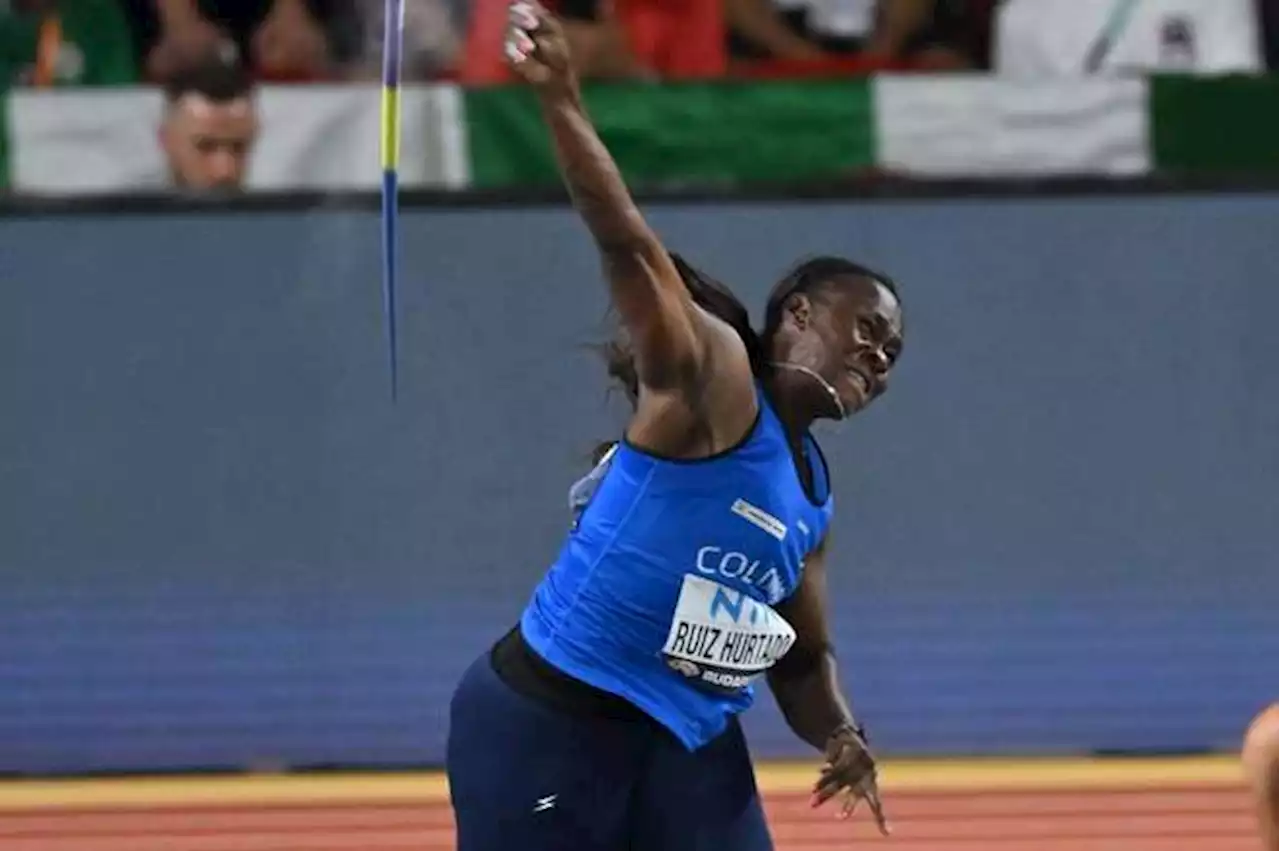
<point>850,769</point>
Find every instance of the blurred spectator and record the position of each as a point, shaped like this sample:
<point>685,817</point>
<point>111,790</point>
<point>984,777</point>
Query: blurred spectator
<point>209,126</point>
<point>66,43</point>
<point>1070,37</point>
<point>1267,19</point>
<point>601,41</point>
<point>798,29</point>
<point>695,38</point>
<point>934,34</point>
<point>432,38</point>
<point>279,39</point>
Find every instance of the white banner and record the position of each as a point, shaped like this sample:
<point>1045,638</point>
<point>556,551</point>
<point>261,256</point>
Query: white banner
<point>1074,38</point>
<point>311,137</point>
<point>989,127</point>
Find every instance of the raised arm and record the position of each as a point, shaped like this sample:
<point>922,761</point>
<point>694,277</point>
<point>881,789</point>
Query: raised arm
<point>806,685</point>
<point>665,325</point>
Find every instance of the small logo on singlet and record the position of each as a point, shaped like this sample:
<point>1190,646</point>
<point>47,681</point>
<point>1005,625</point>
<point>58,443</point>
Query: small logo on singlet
<point>760,518</point>
<point>685,667</point>
<point>545,803</point>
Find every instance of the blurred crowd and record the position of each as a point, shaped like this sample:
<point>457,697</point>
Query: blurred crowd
<point>92,42</point>
<point>208,55</point>
<point>103,42</point>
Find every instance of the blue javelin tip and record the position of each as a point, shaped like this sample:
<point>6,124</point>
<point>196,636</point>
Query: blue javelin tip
<point>393,36</point>
<point>389,211</point>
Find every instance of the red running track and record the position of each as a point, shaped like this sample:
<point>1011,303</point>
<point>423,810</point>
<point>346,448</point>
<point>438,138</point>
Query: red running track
<point>1213,818</point>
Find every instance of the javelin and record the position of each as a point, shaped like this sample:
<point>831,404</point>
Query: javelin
<point>393,40</point>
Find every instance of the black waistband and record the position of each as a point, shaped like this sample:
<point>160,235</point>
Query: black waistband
<point>527,673</point>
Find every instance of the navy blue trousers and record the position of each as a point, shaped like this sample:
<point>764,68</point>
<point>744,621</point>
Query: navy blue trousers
<point>526,777</point>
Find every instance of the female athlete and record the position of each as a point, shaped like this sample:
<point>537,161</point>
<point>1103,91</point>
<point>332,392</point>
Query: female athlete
<point>607,719</point>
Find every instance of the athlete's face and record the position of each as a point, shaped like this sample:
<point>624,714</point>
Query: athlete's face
<point>851,335</point>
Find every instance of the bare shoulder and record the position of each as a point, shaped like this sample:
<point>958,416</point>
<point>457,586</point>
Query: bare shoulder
<point>728,392</point>
<point>708,414</point>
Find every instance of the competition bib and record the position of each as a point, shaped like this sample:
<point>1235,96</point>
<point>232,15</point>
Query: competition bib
<point>723,639</point>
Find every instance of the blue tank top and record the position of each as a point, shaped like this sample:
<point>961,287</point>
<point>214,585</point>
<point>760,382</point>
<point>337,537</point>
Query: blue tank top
<point>663,593</point>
